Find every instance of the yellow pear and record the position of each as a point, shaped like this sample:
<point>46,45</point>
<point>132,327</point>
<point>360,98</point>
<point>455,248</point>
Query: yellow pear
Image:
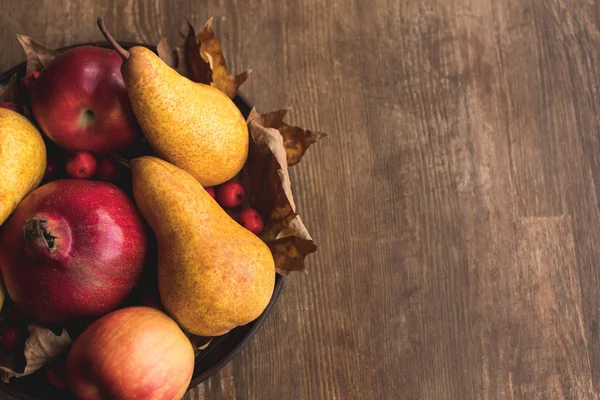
<point>22,160</point>
<point>193,126</point>
<point>213,274</point>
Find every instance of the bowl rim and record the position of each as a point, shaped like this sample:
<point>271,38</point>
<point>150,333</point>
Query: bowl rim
<point>223,348</point>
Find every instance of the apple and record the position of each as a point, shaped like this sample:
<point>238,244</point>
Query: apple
<point>131,353</point>
<point>72,248</point>
<point>80,101</point>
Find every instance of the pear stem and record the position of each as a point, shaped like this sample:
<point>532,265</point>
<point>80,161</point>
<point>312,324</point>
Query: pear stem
<point>122,52</point>
<point>123,161</point>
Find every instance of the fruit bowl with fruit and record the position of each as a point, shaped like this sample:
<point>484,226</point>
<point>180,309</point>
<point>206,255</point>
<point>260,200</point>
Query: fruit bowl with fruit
<point>147,219</point>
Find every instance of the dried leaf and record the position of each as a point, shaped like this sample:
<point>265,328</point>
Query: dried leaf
<point>211,52</point>
<point>290,252</point>
<point>198,69</point>
<point>38,55</point>
<point>9,91</point>
<point>200,58</point>
<point>296,140</point>
<point>271,193</point>
<point>42,347</point>
<point>199,343</point>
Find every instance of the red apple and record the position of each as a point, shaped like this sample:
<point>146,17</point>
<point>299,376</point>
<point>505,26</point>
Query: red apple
<point>132,353</point>
<point>80,101</point>
<point>72,248</point>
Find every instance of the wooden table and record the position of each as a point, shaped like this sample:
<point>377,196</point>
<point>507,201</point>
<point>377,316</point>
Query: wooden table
<point>455,203</point>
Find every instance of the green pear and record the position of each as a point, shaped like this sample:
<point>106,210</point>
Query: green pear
<point>213,274</point>
<point>193,126</point>
<point>23,160</point>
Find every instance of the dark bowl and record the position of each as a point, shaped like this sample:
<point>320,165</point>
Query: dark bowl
<point>220,351</point>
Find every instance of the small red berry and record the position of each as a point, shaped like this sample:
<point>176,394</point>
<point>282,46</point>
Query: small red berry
<point>56,373</point>
<point>251,220</point>
<point>29,80</point>
<point>9,335</point>
<point>9,105</point>
<point>231,194</point>
<point>51,170</point>
<point>211,191</point>
<point>108,170</point>
<point>81,165</point>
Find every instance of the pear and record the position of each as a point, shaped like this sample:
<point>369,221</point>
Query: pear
<point>193,126</point>
<point>213,274</point>
<point>22,160</point>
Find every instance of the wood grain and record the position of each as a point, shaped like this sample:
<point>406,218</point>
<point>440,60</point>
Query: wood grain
<point>455,202</point>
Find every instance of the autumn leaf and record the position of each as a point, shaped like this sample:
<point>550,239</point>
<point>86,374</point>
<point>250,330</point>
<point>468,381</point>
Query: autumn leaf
<point>296,140</point>
<point>199,343</point>
<point>266,173</point>
<point>198,68</point>
<point>211,52</point>
<point>38,55</point>
<point>41,347</point>
<point>200,58</point>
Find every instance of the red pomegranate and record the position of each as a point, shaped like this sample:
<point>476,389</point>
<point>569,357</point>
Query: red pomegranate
<point>72,248</point>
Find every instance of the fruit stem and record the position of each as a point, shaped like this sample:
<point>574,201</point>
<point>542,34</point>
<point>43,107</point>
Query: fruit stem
<point>122,52</point>
<point>123,161</point>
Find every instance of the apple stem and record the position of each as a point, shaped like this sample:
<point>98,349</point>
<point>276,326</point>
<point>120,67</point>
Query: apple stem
<point>122,52</point>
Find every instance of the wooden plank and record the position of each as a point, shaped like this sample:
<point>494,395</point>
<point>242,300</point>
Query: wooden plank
<point>455,203</point>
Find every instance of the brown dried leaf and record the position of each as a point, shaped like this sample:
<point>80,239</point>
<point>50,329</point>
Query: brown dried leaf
<point>199,343</point>
<point>296,140</point>
<point>198,69</point>
<point>200,58</point>
<point>9,91</point>
<point>41,347</point>
<point>290,252</point>
<point>271,193</point>
<point>38,55</point>
<point>211,52</point>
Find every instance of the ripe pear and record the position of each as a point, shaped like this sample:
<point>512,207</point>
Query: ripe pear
<point>22,160</point>
<point>213,274</point>
<point>193,126</point>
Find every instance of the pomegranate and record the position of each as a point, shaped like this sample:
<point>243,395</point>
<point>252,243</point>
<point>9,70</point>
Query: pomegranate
<point>72,248</point>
